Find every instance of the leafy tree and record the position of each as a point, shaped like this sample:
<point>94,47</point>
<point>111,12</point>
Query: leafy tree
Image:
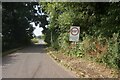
<point>16,19</point>
<point>98,22</point>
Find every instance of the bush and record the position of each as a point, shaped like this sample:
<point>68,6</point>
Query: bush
<point>112,55</point>
<point>34,40</point>
<point>99,49</point>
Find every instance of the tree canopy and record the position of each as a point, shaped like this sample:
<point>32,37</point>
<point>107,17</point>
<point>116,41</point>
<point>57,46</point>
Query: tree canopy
<point>99,29</point>
<point>16,19</point>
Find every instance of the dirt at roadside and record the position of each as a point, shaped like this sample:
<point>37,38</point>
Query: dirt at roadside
<point>84,68</point>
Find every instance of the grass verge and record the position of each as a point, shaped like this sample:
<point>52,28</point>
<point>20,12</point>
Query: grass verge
<point>81,67</point>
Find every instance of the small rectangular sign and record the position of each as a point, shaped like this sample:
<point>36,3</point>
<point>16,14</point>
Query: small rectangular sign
<point>74,33</point>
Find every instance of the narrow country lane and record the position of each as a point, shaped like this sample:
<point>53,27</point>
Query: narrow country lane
<point>32,62</point>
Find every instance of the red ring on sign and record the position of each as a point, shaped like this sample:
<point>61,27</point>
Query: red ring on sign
<point>72,31</point>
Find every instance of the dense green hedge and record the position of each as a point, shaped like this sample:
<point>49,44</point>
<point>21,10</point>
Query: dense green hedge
<point>99,29</point>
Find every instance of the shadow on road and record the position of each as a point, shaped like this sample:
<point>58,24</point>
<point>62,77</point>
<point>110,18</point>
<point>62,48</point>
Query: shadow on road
<point>8,59</point>
<point>32,62</point>
<point>32,49</point>
<point>35,48</point>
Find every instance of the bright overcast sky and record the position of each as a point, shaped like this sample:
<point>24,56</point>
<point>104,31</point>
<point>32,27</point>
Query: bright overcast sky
<point>38,30</point>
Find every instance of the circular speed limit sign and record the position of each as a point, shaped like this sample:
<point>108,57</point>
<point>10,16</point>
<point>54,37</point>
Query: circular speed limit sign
<point>74,31</point>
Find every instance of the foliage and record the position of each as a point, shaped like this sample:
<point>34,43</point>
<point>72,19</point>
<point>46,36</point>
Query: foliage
<point>97,21</point>
<point>112,55</point>
<point>16,18</point>
<point>35,40</point>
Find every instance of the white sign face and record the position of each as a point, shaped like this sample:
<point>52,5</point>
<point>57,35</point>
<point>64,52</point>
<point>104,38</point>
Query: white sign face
<point>74,33</point>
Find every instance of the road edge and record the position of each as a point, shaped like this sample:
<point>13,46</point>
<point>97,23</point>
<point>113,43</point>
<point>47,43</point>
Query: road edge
<point>11,51</point>
<point>63,64</point>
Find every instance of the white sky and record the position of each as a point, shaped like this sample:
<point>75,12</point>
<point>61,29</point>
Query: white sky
<point>38,30</point>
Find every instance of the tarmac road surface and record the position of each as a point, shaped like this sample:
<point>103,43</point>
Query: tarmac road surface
<point>32,62</point>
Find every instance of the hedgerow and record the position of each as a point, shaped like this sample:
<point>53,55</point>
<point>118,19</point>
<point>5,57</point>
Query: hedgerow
<point>99,30</point>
